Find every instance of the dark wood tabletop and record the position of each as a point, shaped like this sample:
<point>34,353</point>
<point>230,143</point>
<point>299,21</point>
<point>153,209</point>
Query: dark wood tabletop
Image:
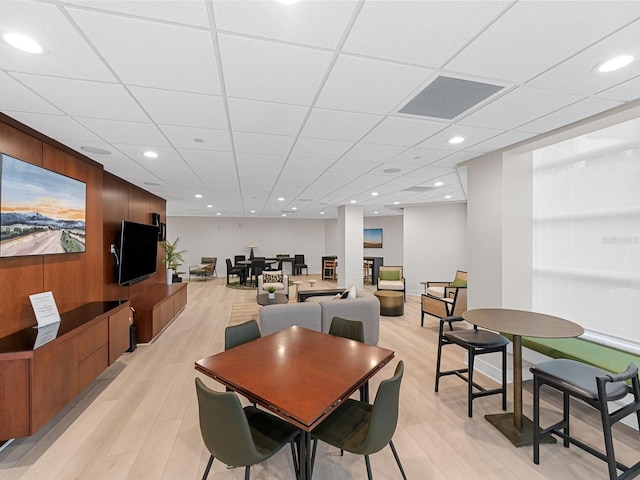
<point>297,373</point>
<point>279,298</point>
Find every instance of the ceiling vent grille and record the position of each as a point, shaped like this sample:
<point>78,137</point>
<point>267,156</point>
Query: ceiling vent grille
<point>448,97</point>
<point>418,189</point>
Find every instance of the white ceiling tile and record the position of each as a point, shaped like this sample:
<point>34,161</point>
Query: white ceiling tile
<point>132,133</point>
<point>135,153</point>
<point>403,132</point>
<point>311,23</point>
<point>579,110</point>
<point>192,12</point>
<point>420,156</point>
<point>266,117</point>
<point>503,140</point>
<point>455,158</point>
<point>372,153</point>
<point>519,106</point>
<point>534,36</point>
<point>471,135</point>
<point>55,126</point>
<point>318,148</point>
<point>66,53</point>
<point>307,164</point>
<point>370,86</point>
<point>261,70</point>
<point>261,143</point>
<point>22,99</point>
<point>158,55</point>
<point>184,137</point>
<point>576,75</point>
<point>338,125</point>
<point>182,108</point>
<point>79,98</point>
<point>421,33</point>
<point>626,91</point>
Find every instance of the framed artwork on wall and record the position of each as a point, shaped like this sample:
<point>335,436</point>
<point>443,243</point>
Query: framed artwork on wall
<point>372,238</point>
<point>41,212</point>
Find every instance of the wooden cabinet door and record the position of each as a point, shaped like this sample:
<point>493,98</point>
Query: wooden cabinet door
<point>118,333</point>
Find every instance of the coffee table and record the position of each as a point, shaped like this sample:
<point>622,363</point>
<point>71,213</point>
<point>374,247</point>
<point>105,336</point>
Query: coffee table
<point>298,374</point>
<point>515,426</point>
<point>279,298</point>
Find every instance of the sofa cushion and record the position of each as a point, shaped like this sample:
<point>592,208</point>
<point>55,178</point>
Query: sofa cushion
<point>273,318</point>
<point>390,285</point>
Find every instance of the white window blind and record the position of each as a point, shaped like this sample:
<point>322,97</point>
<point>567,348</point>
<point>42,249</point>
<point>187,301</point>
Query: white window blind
<point>586,233</point>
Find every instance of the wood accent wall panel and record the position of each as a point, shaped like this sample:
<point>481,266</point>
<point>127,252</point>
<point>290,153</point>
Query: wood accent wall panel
<point>14,410</point>
<point>75,279</point>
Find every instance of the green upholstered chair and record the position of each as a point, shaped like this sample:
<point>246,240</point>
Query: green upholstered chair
<point>238,436</point>
<point>453,305</point>
<point>364,429</point>
<point>391,278</point>
<point>235,335</point>
<point>353,330</point>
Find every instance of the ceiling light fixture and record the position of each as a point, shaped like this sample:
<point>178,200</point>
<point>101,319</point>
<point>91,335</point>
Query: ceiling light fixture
<point>209,206</point>
<point>374,194</point>
<point>438,184</point>
<point>352,201</point>
<point>455,140</point>
<point>294,208</point>
<point>375,213</point>
<point>197,195</point>
<point>253,211</point>
<point>218,213</point>
<point>150,154</point>
<point>396,203</point>
<point>284,214</point>
<point>447,197</point>
<point>321,213</point>
<point>23,43</point>
<point>281,199</point>
<point>614,63</point>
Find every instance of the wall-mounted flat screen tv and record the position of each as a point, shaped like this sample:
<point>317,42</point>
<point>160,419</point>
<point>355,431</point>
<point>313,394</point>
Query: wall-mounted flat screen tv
<point>372,238</point>
<point>42,212</point>
<point>138,254</point>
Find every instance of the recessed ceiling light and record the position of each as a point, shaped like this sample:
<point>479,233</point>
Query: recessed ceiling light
<point>281,199</point>
<point>197,195</point>
<point>352,201</point>
<point>455,140</point>
<point>294,208</point>
<point>374,194</point>
<point>23,43</point>
<point>218,213</point>
<point>438,184</point>
<point>253,211</point>
<point>284,214</point>
<point>614,63</point>
<point>447,197</point>
<point>321,213</point>
<point>96,150</point>
<point>375,213</point>
<point>396,203</point>
<point>209,206</point>
<point>150,154</point>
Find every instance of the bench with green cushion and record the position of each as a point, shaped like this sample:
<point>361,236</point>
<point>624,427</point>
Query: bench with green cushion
<point>581,350</point>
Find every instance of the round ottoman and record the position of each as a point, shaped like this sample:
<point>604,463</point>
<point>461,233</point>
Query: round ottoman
<point>391,303</point>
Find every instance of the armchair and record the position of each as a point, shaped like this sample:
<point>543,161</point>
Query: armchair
<point>391,278</point>
<point>207,268</point>
<point>275,279</point>
<point>441,289</point>
<point>450,306</point>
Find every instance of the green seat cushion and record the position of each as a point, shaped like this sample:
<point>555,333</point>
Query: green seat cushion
<point>458,282</point>
<point>580,350</point>
<point>389,274</point>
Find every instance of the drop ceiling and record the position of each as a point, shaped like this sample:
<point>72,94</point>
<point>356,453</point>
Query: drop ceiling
<point>246,102</point>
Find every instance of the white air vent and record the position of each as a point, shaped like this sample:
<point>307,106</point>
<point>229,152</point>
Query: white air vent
<point>448,97</point>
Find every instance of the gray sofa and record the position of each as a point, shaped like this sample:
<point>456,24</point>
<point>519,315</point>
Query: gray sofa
<point>316,313</point>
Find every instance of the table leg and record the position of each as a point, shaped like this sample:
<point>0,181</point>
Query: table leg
<point>305,455</point>
<point>515,426</point>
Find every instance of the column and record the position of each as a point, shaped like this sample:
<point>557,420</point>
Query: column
<point>350,245</point>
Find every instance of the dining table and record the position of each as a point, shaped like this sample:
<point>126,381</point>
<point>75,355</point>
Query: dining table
<point>247,264</point>
<point>519,323</point>
<point>298,374</point>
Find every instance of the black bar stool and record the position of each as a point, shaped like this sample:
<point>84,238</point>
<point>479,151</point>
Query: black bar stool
<point>595,387</point>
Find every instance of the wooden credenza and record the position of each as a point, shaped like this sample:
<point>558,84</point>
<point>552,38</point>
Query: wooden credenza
<point>35,384</point>
<point>156,307</point>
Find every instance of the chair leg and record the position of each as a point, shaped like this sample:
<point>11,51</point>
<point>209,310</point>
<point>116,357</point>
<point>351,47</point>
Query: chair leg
<point>206,470</point>
<point>504,378</point>
<point>565,409</point>
<point>395,454</point>
<point>608,439</point>
<point>470,380</point>
<point>536,420</point>
<point>368,464</point>
<point>438,361</point>
<point>296,466</point>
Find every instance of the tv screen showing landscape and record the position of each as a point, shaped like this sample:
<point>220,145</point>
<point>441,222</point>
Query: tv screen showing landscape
<point>42,212</point>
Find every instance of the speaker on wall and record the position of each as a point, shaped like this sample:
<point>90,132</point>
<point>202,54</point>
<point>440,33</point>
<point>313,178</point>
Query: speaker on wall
<point>155,219</point>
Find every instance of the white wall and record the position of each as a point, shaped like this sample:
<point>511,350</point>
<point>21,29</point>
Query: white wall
<point>226,237</point>
<point>435,243</point>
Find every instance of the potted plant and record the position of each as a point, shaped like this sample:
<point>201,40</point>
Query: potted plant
<point>172,258</point>
<point>271,292</point>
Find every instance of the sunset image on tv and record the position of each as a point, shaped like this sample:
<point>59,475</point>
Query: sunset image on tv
<point>42,212</point>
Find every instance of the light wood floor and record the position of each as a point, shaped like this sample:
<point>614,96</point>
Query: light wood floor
<point>139,419</point>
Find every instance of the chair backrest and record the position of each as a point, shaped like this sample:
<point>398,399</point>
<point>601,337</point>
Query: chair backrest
<point>353,329</point>
<point>384,415</point>
<point>389,268</point>
<point>224,427</point>
<point>209,260</point>
<point>238,258</point>
<point>459,302</point>
<point>229,266</point>
<point>238,334</point>
<point>298,259</point>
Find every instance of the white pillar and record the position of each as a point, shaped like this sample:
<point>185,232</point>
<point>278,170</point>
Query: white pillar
<point>350,245</point>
